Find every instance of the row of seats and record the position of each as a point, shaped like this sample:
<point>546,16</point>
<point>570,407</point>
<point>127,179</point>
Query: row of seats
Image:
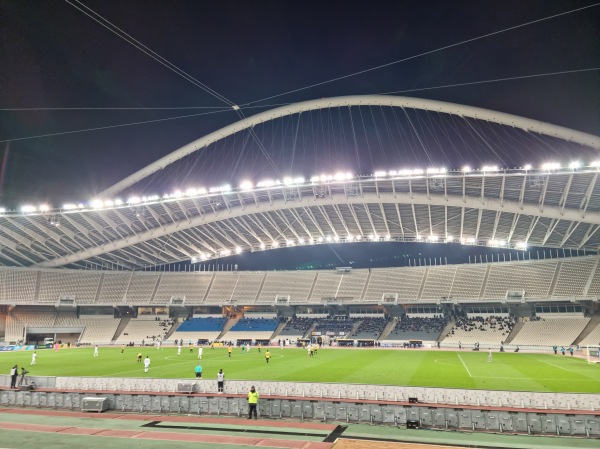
<point>491,398</point>
<point>560,278</point>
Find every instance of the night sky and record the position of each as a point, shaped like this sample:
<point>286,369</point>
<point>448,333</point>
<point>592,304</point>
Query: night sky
<point>54,56</point>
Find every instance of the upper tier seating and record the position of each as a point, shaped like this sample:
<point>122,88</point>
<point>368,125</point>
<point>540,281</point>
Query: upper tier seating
<point>550,332</point>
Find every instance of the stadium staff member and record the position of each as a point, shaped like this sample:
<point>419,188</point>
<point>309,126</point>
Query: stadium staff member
<point>252,402</point>
<point>220,380</point>
<point>14,373</point>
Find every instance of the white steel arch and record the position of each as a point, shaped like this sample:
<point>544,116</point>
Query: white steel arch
<point>502,118</point>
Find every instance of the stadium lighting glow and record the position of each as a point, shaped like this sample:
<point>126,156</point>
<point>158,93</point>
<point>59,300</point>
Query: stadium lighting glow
<point>489,168</point>
<point>336,238</point>
<point>96,204</point>
<point>225,188</point>
<point>320,240</point>
<point>417,171</point>
<point>432,238</point>
<point>290,243</point>
<point>315,179</point>
<point>466,169</point>
<point>134,200</point>
<point>191,192</point>
<point>470,240</point>
<point>275,244</point>
<point>449,238</point>
<point>595,164</point>
<point>436,171</point>
<point>574,165</point>
<point>301,242</point>
<point>405,172</point>
<point>109,203</point>
<point>521,245</point>
<point>393,173</point>
<point>226,252</point>
<point>28,208</point>
<point>262,246</point>
<point>358,238</point>
<point>2,210</point>
<point>238,250</point>
<point>527,167</point>
<point>287,181</point>
<point>387,237</point>
<point>266,183</point>
<point>349,238</point>
<point>328,238</point>
<point>418,238</point>
<point>118,202</point>
<point>551,166</point>
<point>246,185</point>
<point>380,173</point>
<point>44,208</point>
<point>177,194</point>
<point>214,189</point>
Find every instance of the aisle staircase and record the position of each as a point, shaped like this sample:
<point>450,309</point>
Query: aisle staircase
<point>120,328</point>
<point>513,333</point>
<point>591,325</point>
<point>228,325</point>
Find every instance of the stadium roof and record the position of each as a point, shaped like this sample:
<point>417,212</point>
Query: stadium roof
<point>545,206</point>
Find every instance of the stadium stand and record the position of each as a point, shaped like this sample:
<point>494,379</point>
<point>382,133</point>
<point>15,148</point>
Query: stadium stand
<point>252,329</point>
<point>144,328</point>
<point>295,284</point>
<point>550,331</point>
<point>296,328</point>
<point>195,329</point>
<point>491,330</point>
<point>423,329</point>
<point>369,328</point>
<point>192,286</point>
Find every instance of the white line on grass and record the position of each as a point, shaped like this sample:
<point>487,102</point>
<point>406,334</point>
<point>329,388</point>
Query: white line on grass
<point>463,362</point>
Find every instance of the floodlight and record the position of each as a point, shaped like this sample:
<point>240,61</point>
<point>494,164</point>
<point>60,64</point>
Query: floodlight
<point>527,167</point>
<point>387,237</point>
<point>551,166</point>
<point>320,240</point>
<point>328,238</point>
<point>275,244</point>
<point>432,238</point>
<point>288,181</point>
<point>225,188</point>
<point>246,185</point>
<point>336,238</point>
<point>349,238</point>
<point>521,245</point>
<point>2,210</point>
<point>358,238</point>
<point>44,208</point>
<point>96,204</point>
<point>380,173</point>
<point>262,246</point>
<point>300,241</point>
<point>226,252</point>
<point>595,164</point>
<point>489,168</point>
<point>315,179</point>
<point>417,171</point>
<point>393,172</point>
<point>290,243</point>
<point>449,238</point>
<point>471,240</point>
<point>466,169</point>
<point>202,191</point>
<point>133,200</point>
<point>339,176</point>
<point>266,183</point>
<point>418,237</point>
<point>575,165</point>
<point>238,250</point>
<point>118,202</point>
<point>28,208</point>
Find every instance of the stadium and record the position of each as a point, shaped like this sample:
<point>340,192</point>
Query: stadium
<point>443,276</point>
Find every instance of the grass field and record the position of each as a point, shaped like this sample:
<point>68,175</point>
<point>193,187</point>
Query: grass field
<point>430,368</point>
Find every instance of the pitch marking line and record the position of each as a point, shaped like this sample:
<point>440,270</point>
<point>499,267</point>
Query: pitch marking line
<point>464,364</point>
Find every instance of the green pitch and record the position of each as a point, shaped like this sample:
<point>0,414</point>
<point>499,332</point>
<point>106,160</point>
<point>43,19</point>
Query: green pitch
<point>427,368</point>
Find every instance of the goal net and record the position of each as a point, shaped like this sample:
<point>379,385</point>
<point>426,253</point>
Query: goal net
<point>593,354</point>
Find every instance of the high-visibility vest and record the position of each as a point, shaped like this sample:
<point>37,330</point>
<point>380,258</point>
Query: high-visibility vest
<point>252,397</point>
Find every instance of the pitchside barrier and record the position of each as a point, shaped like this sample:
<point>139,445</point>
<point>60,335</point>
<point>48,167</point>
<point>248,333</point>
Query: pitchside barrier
<point>330,391</point>
<point>562,414</point>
